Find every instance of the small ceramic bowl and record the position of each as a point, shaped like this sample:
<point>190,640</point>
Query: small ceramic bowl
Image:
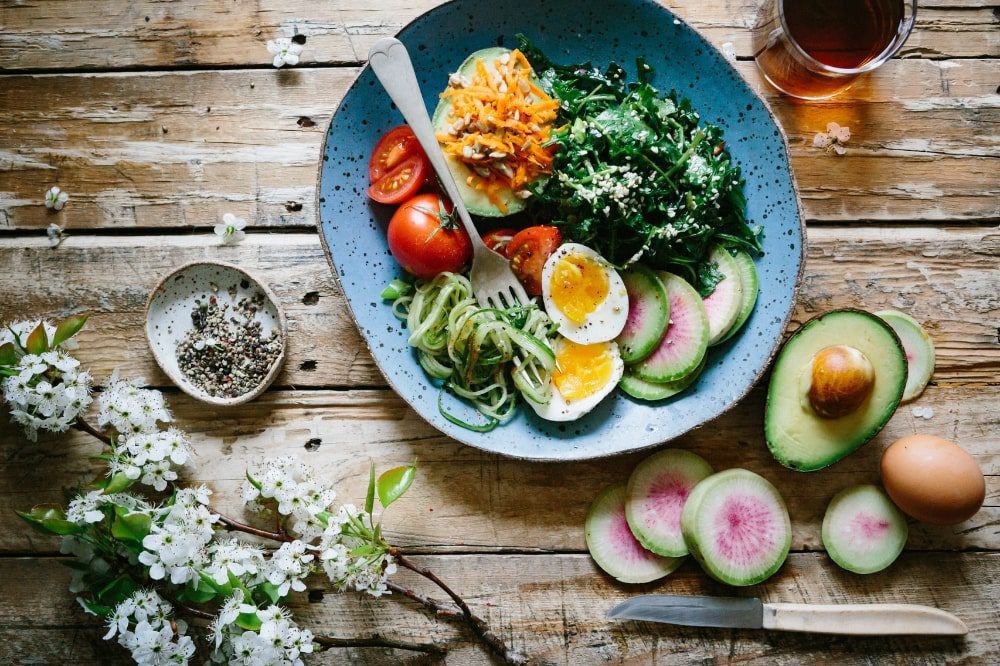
<point>168,318</point>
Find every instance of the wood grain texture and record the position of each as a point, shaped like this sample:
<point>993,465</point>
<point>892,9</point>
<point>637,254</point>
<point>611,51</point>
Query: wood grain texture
<point>552,607</point>
<point>156,150</point>
<point>945,277</point>
<point>78,34</point>
<point>465,500</point>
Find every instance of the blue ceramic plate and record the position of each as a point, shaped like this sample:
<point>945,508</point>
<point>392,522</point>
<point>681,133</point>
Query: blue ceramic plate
<point>353,228</point>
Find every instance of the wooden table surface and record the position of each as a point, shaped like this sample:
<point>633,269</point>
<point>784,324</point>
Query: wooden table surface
<point>158,117</point>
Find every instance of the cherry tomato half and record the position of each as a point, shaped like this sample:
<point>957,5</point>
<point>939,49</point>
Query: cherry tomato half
<point>528,251</point>
<point>396,145</point>
<point>402,182</point>
<point>498,239</point>
<point>425,241</point>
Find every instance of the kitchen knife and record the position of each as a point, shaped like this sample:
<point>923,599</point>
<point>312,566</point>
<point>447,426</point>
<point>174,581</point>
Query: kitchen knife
<point>750,613</point>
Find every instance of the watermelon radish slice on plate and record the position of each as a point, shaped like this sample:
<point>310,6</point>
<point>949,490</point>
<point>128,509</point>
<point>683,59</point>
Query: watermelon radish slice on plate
<point>736,525</point>
<point>724,303</point>
<point>614,548</point>
<point>648,314</point>
<point>640,389</point>
<point>751,287</point>
<point>684,344</point>
<point>655,497</point>
<point>863,531</point>
<point>917,346</point>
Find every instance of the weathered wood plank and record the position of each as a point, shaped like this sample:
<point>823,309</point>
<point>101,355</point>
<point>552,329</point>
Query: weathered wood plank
<point>552,608</point>
<point>77,34</point>
<point>467,500</point>
<point>943,277</point>
<point>181,149</point>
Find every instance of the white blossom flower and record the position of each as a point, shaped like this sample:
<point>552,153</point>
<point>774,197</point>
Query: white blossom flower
<point>86,508</point>
<point>293,489</point>
<point>55,198</point>
<point>56,235</point>
<point>284,50</point>
<point>365,573</point>
<point>230,230</point>
<point>233,556</point>
<point>288,566</point>
<point>48,392</point>
<point>278,642</point>
<point>833,138</point>
<point>145,626</point>
<point>177,547</point>
<point>130,409</point>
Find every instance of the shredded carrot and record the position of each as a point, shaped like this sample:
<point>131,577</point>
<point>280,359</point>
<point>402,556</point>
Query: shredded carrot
<point>499,124</point>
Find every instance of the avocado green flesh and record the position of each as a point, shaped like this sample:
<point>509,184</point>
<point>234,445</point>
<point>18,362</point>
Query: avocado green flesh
<point>797,436</point>
<point>475,200</point>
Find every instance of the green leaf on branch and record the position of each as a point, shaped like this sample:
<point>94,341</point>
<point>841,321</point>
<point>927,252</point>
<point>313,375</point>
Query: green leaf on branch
<point>99,610</point>
<point>38,340</point>
<point>253,482</point>
<point>69,327</point>
<point>130,526</point>
<point>50,519</point>
<point>370,497</point>
<point>199,595</point>
<point>223,590</point>
<point>8,354</point>
<point>115,484</point>
<point>393,483</point>
<point>270,590</point>
<point>248,621</point>
<point>116,591</point>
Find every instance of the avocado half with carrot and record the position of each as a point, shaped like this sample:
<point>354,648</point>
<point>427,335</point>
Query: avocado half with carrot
<point>835,384</point>
<point>492,123</point>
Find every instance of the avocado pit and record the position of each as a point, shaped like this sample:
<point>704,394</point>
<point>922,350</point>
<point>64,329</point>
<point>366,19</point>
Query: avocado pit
<point>842,378</point>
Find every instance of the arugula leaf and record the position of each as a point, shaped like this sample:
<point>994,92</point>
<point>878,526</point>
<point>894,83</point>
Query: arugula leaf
<point>636,174</point>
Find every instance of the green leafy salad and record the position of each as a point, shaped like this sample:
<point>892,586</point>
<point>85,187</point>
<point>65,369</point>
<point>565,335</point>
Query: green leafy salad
<point>636,175</point>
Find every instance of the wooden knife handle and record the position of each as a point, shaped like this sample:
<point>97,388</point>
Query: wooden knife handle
<point>863,619</point>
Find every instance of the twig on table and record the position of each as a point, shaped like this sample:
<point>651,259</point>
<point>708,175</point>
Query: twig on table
<point>82,425</point>
<point>328,642</point>
<point>476,623</point>
<point>249,529</point>
<point>444,610</point>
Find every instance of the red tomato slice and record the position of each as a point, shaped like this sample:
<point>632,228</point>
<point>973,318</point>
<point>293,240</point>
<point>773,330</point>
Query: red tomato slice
<point>402,182</point>
<point>396,145</point>
<point>528,251</point>
<point>499,239</point>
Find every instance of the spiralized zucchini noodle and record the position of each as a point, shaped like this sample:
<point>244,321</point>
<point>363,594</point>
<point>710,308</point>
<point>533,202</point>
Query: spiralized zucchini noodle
<point>484,355</point>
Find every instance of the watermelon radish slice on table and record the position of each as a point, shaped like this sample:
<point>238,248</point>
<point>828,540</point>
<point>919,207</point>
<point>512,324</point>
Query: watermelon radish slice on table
<point>723,305</point>
<point>863,531</point>
<point>684,344</point>
<point>736,525</point>
<point>614,548</point>
<point>655,497</point>
<point>648,314</point>
<point>917,346</point>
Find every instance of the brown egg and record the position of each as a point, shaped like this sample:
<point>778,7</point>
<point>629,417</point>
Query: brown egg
<point>932,479</point>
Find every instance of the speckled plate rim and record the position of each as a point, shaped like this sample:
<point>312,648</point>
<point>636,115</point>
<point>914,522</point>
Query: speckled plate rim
<point>183,384</point>
<point>775,346</point>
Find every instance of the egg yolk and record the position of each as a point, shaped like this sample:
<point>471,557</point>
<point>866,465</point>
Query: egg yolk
<point>578,286</point>
<point>582,370</point>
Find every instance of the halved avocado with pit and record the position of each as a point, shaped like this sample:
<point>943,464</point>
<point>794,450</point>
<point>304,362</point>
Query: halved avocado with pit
<point>475,200</point>
<point>814,418</point>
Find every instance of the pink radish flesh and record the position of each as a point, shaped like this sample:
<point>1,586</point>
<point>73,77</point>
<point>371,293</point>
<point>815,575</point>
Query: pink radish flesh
<point>719,301</point>
<point>680,335</point>
<point>666,501</point>
<point>745,530</point>
<point>636,314</point>
<point>868,527</point>
<point>627,547</point>
<point>863,531</point>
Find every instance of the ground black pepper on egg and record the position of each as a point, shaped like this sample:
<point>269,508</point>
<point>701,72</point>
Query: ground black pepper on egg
<point>225,353</point>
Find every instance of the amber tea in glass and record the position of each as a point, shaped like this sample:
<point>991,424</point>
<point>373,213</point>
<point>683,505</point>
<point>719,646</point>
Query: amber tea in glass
<point>814,49</point>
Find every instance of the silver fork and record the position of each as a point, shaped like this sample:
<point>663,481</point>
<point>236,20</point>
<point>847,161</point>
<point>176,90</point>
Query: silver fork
<point>493,282</point>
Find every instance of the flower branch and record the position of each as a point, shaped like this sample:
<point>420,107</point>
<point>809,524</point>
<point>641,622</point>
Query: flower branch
<point>143,566</point>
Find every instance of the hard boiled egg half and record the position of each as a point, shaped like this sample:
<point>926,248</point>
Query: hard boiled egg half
<point>584,295</point>
<point>584,375</point>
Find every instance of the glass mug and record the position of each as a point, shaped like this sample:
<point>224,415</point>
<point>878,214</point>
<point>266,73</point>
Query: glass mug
<point>814,49</point>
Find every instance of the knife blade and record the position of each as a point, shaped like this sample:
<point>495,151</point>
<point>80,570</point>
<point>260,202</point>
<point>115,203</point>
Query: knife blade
<point>751,613</point>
